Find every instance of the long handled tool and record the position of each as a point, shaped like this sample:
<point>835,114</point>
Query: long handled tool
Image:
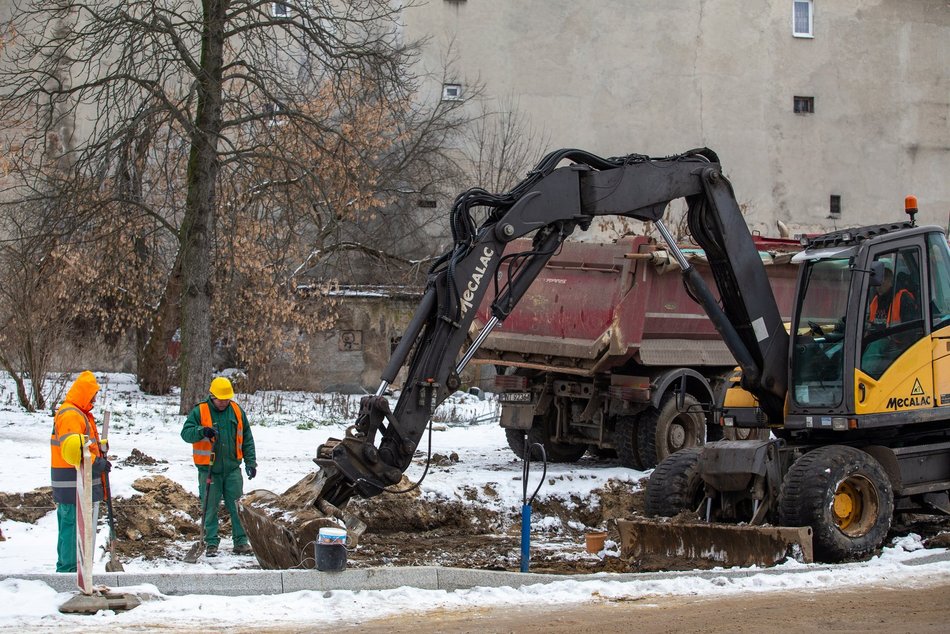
<point>198,548</point>
<point>113,565</point>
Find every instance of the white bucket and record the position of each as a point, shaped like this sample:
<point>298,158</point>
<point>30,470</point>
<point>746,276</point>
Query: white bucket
<point>329,535</point>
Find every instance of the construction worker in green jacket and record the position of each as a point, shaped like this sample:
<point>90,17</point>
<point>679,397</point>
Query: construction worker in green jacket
<point>221,439</point>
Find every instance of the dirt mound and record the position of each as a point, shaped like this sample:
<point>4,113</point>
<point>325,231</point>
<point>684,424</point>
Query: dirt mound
<point>139,459</point>
<point>150,524</point>
<point>27,507</point>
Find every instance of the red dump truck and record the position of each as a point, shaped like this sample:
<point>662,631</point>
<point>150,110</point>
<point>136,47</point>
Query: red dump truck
<point>607,352</point>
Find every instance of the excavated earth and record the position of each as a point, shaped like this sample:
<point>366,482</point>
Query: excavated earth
<point>160,522</point>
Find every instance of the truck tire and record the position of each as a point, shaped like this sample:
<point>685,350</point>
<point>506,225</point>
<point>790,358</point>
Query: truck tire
<point>625,440</point>
<point>666,430</point>
<point>746,433</point>
<point>675,485</point>
<point>555,451</point>
<point>844,495</point>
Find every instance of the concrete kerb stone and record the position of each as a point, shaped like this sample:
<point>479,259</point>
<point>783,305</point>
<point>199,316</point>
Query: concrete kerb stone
<point>261,582</point>
<point>356,579</point>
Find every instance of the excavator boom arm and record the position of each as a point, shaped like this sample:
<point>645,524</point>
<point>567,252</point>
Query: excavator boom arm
<point>551,203</point>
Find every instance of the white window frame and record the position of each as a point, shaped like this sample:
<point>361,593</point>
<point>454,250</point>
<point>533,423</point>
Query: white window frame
<point>451,92</point>
<point>810,33</point>
<point>273,112</point>
<point>279,10</point>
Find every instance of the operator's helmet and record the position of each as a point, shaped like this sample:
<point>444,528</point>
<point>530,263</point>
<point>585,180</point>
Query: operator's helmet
<point>221,389</point>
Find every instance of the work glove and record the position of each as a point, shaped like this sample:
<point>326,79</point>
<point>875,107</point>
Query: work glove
<point>251,472</point>
<point>209,432</point>
<point>100,465</point>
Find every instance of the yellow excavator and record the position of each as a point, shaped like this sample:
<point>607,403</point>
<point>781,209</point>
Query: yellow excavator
<point>851,404</point>
<point>863,430</point>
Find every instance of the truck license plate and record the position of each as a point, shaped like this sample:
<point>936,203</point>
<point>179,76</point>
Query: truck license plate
<point>515,397</point>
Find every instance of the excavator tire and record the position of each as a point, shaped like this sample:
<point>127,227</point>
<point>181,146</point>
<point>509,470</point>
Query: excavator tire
<point>625,440</point>
<point>844,495</point>
<point>554,451</point>
<point>675,485</point>
<point>666,430</point>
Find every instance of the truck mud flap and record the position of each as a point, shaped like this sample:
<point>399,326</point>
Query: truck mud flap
<point>283,528</point>
<point>651,545</point>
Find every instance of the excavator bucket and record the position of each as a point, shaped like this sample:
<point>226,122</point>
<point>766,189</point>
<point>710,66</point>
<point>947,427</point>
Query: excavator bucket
<point>283,529</point>
<point>653,545</point>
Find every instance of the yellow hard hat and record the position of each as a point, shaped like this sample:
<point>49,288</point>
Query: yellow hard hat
<point>221,389</point>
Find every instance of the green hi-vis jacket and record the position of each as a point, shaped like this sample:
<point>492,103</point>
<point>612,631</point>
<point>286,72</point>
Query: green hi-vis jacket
<point>226,455</point>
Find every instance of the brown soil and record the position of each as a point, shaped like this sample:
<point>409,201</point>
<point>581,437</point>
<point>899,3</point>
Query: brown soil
<point>160,522</point>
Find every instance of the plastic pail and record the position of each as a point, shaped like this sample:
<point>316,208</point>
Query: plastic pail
<point>595,541</point>
<point>330,535</point>
<point>331,557</point>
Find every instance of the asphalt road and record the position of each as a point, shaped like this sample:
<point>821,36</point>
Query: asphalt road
<point>874,609</point>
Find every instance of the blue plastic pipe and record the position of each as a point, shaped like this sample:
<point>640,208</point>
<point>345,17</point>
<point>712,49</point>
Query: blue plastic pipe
<point>525,537</point>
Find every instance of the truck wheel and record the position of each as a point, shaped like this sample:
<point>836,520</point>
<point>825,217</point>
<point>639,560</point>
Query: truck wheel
<point>745,433</point>
<point>675,485</point>
<point>555,451</point>
<point>844,495</point>
<point>625,440</point>
<point>666,430</point>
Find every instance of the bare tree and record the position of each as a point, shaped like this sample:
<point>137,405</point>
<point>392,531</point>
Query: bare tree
<point>190,117</point>
<point>502,145</point>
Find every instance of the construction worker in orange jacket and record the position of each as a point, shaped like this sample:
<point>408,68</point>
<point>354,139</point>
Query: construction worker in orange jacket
<point>221,440</point>
<point>73,425</point>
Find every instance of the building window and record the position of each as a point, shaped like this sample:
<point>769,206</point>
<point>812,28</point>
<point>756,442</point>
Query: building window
<point>451,92</point>
<point>279,10</point>
<point>272,112</point>
<point>802,18</point>
<point>834,206</point>
<point>804,105</point>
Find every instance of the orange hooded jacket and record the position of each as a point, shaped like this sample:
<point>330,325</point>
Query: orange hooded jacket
<point>73,417</point>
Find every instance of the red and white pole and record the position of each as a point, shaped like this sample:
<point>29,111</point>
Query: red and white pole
<point>85,529</point>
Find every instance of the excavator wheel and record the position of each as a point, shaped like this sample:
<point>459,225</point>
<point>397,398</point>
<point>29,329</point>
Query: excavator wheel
<point>625,440</point>
<point>666,430</point>
<point>845,496</point>
<point>675,485</point>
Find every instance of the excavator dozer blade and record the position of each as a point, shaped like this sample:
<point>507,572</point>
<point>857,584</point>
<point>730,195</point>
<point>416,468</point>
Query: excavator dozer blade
<point>283,529</point>
<point>653,545</point>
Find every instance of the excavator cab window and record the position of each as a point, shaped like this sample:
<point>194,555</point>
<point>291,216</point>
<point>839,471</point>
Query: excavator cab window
<point>818,349</point>
<point>893,320</point>
<point>939,255</point>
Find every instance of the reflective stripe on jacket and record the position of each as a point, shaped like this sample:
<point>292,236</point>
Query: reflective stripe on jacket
<point>203,450</point>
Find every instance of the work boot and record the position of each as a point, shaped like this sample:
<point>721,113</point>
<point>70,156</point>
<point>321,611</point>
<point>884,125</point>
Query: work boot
<point>243,549</point>
<point>211,551</point>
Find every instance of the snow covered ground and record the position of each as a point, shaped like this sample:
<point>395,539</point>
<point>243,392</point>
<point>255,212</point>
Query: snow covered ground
<point>288,426</point>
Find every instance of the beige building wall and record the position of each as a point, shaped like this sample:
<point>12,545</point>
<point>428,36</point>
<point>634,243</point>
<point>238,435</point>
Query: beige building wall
<point>663,76</point>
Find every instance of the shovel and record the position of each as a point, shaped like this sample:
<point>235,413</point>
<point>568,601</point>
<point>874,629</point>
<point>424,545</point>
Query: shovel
<point>198,548</point>
<point>113,565</point>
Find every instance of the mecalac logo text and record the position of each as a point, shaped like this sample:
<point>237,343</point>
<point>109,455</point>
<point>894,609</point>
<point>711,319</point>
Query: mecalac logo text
<point>468,295</point>
<point>914,401</point>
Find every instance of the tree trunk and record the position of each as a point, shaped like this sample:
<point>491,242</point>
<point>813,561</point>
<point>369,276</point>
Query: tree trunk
<point>154,374</point>
<point>196,229</point>
<point>21,395</point>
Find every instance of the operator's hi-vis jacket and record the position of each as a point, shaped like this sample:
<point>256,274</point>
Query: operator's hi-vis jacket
<point>234,442</point>
<point>74,416</point>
